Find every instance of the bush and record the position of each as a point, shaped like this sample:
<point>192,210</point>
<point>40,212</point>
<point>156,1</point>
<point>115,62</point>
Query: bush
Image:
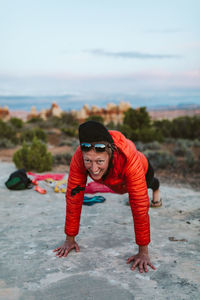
<point>70,131</point>
<point>95,118</point>
<point>152,146</point>
<point>180,150</point>
<point>137,118</point>
<point>33,157</point>
<point>6,143</point>
<point>139,146</point>
<point>137,126</point>
<point>17,123</point>
<point>126,130</point>
<point>189,159</point>
<point>112,126</point>
<point>196,143</point>
<point>66,119</point>
<point>163,126</point>
<point>160,159</point>
<point>8,132</point>
<point>69,119</point>
<point>36,120</point>
<point>28,135</point>
<point>182,147</point>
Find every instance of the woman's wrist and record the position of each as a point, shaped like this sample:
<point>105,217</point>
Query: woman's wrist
<point>143,250</point>
<point>70,238</point>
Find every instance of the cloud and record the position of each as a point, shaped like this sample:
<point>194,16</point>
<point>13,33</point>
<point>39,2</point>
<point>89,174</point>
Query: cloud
<point>132,54</point>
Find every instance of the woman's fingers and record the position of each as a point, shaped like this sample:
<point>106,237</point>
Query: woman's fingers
<point>61,253</point>
<point>130,259</point>
<point>55,250</point>
<point>137,261</point>
<point>77,247</point>
<point>152,266</point>
<point>145,267</point>
<point>65,249</point>
<point>140,262</point>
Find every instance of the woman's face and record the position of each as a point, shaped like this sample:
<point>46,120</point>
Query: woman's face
<point>96,163</point>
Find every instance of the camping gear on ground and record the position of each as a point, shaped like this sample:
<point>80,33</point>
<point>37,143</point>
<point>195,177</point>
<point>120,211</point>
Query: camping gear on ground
<point>39,189</point>
<point>92,200</point>
<point>57,176</point>
<point>18,180</point>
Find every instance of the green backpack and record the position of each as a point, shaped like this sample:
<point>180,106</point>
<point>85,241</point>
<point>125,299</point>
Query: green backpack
<point>18,180</point>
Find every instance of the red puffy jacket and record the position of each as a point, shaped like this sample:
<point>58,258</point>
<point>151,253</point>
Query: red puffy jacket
<point>127,175</point>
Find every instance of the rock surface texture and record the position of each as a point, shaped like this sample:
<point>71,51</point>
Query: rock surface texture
<point>32,225</point>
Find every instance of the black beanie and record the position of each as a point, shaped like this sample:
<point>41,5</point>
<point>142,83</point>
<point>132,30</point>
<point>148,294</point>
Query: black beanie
<point>92,131</point>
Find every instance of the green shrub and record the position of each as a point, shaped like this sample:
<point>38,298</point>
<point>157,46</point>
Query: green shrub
<point>139,146</point>
<point>137,118</point>
<point>182,147</point>
<point>160,159</point>
<point>40,134</point>
<point>137,126</point>
<point>112,126</point>
<point>67,118</point>
<point>36,120</point>
<point>16,122</point>
<point>196,143</point>
<point>164,126</point>
<point>155,145</point>
<point>189,159</point>
<point>184,142</point>
<point>95,118</point>
<point>6,143</point>
<point>28,135</point>
<point>180,150</point>
<point>8,132</point>
<point>70,131</point>
<point>20,157</point>
<point>33,157</point>
<point>126,130</point>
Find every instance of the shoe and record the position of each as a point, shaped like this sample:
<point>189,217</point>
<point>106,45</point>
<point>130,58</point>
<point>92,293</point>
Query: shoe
<point>34,181</point>
<point>153,203</point>
<point>92,200</point>
<point>40,190</point>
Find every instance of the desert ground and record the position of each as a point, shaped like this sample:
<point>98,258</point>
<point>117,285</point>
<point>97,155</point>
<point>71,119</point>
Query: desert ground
<point>31,226</point>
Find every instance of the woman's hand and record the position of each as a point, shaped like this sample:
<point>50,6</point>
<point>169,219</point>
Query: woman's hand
<point>141,260</point>
<point>68,245</point>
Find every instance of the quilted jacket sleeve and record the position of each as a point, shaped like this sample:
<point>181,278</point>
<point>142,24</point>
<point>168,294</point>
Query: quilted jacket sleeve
<point>138,198</point>
<point>75,193</point>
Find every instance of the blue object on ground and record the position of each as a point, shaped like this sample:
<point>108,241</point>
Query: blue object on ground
<point>92,200</point>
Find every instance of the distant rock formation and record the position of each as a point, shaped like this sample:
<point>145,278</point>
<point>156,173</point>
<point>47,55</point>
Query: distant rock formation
<point>112,113</point>
<point>54,111</point>
<point>33,113</point>
<point>4,113</point>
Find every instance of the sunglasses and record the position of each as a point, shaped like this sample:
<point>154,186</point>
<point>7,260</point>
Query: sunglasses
<point>85,147</point>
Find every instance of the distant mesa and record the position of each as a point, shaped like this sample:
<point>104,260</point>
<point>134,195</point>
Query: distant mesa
<point>111,113</point>
<point>54,111</point>
<point>4,113</point>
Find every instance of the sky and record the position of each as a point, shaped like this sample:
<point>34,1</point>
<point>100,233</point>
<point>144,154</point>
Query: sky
<point>93,49</point>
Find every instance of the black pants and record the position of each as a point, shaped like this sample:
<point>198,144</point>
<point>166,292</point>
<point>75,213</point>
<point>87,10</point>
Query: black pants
<point>152,182</point>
